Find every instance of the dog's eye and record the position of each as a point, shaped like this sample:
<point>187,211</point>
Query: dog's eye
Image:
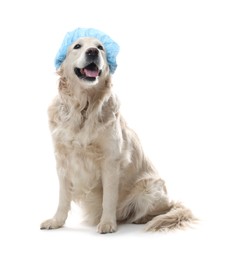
<point>77,46</point>
<point>100,47</point>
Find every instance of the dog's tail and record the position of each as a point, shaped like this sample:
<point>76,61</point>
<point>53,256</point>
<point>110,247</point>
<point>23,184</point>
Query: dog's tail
<point>178,217</point>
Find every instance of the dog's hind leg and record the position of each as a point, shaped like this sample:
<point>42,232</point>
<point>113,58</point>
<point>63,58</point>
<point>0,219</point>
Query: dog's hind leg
<point>148,203</point>
<point>147,199</point>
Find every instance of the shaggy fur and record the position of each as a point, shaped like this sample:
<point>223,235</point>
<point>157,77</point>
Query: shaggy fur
<point>100,162</point>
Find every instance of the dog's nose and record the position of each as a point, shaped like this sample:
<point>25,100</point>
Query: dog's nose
<point>92,52</point>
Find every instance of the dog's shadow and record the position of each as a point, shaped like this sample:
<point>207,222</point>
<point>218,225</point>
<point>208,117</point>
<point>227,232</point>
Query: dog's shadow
<point>122,229</point>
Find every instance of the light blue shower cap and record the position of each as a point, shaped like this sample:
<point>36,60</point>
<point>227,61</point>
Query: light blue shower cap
<point>111,47</point>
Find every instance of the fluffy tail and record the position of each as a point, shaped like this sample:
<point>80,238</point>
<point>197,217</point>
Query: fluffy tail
<point>178,217</point>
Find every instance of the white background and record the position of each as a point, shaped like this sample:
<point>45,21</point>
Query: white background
<point>174,80</point>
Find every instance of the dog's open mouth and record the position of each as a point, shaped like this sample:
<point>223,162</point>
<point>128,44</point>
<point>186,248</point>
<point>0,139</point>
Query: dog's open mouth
<point>90,72</point>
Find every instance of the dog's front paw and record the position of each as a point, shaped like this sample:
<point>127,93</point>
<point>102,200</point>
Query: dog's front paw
<point>51,224</point>
<point>107,227</point>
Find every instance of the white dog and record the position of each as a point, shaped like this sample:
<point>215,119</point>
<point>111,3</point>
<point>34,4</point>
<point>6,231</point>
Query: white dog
<point>100,162</point>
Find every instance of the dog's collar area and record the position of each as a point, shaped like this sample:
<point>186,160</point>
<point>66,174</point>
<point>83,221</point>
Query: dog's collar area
<point>90,72</point>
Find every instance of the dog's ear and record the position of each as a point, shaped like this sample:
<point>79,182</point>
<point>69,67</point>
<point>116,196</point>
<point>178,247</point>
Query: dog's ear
<point>63,85</point>
<point>59,71</point>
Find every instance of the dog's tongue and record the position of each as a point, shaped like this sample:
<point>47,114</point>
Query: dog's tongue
<point>91,73</point>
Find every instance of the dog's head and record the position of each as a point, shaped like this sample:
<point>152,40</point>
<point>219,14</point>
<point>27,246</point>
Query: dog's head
<point>86,62</point>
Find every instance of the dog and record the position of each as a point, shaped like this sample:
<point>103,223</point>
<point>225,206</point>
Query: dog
<point>100,161</point>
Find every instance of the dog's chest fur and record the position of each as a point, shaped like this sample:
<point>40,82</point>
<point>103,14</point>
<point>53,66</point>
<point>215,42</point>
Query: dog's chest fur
<point>80,137</point>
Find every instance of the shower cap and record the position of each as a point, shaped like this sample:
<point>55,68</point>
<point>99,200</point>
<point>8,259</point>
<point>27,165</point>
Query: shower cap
<point>111,47</point>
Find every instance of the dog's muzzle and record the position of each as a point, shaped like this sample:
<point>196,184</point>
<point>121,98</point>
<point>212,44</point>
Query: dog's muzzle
<point>91,71</point>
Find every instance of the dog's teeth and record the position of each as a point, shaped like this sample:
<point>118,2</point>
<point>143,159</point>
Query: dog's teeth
<point>82,71</point>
